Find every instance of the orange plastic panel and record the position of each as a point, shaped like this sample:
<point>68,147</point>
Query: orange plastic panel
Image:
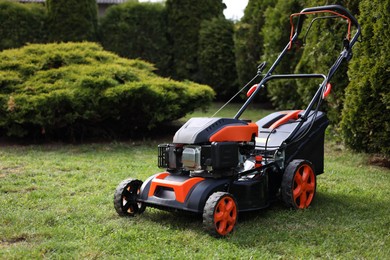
<point>181,189</point>
<point>327,90</point>
<point>235,133</point>
<point>291,115</point>
<point>251,90</point>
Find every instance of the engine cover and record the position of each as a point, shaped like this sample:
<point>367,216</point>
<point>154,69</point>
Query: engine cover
<point>204,130</point>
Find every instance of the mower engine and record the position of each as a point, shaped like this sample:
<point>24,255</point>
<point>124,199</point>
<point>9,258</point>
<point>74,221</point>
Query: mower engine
<point>218,167</point>
<point>199,148</point>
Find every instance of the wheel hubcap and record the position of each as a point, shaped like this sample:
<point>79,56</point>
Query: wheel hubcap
<point>225,215</point>
<point>304,186</point>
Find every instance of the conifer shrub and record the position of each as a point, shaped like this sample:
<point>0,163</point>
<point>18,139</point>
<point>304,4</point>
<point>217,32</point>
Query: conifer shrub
<point>216,57</point>
<point>74,88</point>
<point>275,33</point>
<point>21,24</point>
<point>366,114</point>
<point>72,20</point>
<point>184,21</point>
<point>138,30</point>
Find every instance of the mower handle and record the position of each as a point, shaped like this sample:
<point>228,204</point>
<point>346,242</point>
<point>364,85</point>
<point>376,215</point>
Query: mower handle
<point>335,9</point>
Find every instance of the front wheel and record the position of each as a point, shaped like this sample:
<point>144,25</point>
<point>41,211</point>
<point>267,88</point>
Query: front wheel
<point>125,198</point>
<point>220,214</point>
<point>299,184</point>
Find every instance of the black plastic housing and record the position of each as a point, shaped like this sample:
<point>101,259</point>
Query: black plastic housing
<point>251,194</point>
<point>224,155</point>
<point>308,142</point>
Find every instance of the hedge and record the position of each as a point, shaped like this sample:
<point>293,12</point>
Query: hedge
<point>248,41</point>
<point>74,88</point>
<point>184,21</point>
<point>138,30</point>
<point>216,57</point>
<point>72,20</point>
<point>21,24</point>
<point>275,33</point>
<point>366,114</point>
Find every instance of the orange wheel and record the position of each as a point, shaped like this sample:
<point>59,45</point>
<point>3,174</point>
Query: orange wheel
<point>299,184</point>
<point>220,214</point>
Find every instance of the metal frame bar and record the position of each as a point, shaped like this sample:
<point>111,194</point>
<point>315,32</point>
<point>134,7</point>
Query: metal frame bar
<point>345,54</point>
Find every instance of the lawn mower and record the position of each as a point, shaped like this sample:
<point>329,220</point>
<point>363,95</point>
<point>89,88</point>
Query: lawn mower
<point>219,167</point>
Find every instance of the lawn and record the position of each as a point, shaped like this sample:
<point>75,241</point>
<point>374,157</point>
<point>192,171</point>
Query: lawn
<point>57,202</point>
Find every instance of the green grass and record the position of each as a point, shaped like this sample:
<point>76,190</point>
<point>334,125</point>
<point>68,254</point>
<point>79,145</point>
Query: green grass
<point>56,202</point>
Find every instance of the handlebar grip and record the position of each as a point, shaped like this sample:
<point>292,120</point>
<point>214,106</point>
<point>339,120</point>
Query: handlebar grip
<point>326,8</point>
<point>337,8</point>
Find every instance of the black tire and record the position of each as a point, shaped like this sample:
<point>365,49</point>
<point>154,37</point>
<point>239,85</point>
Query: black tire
<point>220,214</point>
<point>125,198</point>
<point>299,184</point>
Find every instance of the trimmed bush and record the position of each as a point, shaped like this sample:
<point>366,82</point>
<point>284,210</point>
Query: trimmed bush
<point>366,114</point>
<point>72,20</point>
<point>136,30</point>
<point>75,87</point>
<point>21,24</point>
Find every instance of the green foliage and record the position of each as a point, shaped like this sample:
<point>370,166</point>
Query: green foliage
<point>323,44</point>
<point>366,114</point>
<point>275,32</point>
<point>216,57</point>
<point>249,40</point>
<point>184,20</point>
<point>76,87</point>
<point>138,30</point>
<point>72,20</point>
<point>21,24</point>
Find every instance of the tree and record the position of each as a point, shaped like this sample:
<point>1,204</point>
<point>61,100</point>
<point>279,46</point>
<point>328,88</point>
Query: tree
<point>21,24</point>
<point>366,113</point>
<point>216,57</point>
<point>72,20</point>
<point>249,40</point>
<point>184,20</point>
<point>323,44</point>
<point>275,33</point>
<point>138,30</point>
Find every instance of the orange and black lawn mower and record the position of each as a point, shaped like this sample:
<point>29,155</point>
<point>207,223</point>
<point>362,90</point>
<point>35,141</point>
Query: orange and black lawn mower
<point>220,167</point>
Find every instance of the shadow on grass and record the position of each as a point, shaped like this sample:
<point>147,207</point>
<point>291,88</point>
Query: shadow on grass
<point>331,214</point>
<point>175,220</point>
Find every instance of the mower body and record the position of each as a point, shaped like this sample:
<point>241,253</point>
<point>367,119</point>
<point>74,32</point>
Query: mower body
<point>218,167</point>
<point>222,154</point>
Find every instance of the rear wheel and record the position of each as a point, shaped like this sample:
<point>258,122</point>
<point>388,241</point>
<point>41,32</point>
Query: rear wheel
<point>220,214</point>
<point>125,198</point>
<point>299,184</point>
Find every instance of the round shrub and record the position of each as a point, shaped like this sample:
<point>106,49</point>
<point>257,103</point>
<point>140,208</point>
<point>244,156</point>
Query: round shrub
<point>77,87</point>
